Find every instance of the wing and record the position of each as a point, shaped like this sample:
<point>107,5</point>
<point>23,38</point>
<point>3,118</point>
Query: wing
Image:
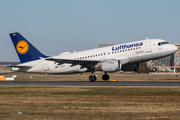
<point>87,63</point>
<point>84,63</point>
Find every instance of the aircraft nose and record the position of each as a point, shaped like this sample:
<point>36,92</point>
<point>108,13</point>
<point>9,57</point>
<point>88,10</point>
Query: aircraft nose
<point>174,48</point>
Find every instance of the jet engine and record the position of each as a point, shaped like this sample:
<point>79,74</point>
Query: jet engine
<point>130,67</point>
<point>111,66</point>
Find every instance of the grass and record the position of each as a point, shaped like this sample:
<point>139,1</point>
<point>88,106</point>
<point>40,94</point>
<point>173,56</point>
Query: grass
<point>89,103</point>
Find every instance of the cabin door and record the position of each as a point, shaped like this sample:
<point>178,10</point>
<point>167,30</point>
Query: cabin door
<point>148,46</point>
<point>44,64</point>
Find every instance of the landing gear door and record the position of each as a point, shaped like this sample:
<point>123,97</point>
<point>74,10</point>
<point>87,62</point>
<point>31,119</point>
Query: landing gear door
<point>148,46</point>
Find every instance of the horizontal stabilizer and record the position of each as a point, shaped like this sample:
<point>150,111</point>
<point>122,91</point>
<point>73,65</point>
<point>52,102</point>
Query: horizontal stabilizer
<point>23,67</point>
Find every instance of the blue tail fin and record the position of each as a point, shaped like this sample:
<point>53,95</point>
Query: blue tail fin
<point>25,50</point>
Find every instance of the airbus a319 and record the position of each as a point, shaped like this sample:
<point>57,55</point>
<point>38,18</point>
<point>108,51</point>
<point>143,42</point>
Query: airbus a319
<point>126,57</point>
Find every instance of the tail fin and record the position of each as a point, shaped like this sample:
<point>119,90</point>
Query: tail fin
<point>25,50</point>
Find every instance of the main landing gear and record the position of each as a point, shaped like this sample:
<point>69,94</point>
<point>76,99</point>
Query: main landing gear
<point>105,77</point>
<point>92,78</point>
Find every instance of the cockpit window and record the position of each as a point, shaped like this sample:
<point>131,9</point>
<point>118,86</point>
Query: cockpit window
<point>162,43</point>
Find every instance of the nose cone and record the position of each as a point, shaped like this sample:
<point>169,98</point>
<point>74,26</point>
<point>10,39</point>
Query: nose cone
<point>174,48</point>
<point>170,49</point>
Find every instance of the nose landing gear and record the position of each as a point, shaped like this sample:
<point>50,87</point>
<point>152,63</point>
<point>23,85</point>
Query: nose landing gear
<point>92,78</point>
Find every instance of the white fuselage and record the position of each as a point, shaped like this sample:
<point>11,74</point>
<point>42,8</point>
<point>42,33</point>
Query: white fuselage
<point>132,52</point>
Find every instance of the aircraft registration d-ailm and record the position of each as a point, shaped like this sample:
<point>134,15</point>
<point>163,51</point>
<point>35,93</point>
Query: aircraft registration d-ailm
<point>126,57</point>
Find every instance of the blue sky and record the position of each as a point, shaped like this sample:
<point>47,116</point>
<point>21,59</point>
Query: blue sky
<point>56,26</point>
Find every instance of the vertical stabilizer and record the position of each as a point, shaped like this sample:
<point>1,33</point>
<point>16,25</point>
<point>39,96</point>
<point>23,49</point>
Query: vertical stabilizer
<point>25,50</point>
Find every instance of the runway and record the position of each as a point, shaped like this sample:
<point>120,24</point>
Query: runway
<point>90,84</point>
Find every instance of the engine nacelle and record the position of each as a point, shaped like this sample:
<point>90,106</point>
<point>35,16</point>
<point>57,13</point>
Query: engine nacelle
<point>130,67</point>
<point>111,66</point>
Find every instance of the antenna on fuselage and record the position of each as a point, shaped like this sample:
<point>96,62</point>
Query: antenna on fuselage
<point>146,38</point>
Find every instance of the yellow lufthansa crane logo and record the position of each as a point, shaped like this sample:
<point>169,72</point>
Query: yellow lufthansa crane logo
<point>22,47</point>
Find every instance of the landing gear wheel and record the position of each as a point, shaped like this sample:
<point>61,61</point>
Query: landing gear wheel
<point>105,77</point>
<point>92,78</point>
<point>154,69</point>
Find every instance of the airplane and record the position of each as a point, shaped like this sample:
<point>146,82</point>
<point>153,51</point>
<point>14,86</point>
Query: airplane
<point>126,57</point>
